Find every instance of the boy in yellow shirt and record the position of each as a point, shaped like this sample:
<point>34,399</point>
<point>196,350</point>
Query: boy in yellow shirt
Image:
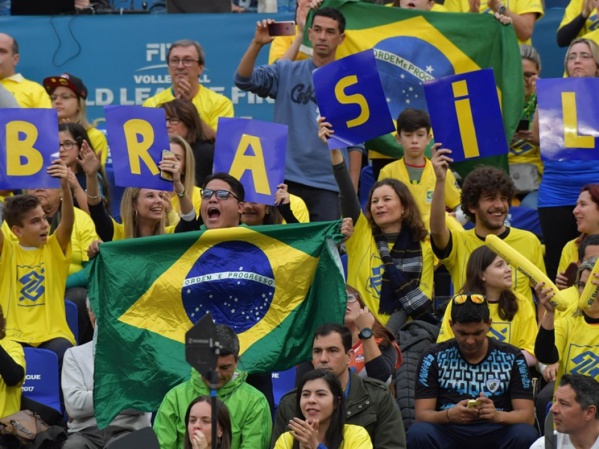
<point>414,169</point>
<point>34,270</point>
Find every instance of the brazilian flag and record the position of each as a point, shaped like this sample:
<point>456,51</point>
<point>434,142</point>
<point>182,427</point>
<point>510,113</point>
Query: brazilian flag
<point>274,285</point>
<point>413,46</point>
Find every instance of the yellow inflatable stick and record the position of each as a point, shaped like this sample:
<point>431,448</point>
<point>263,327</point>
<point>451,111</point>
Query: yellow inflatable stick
<point>526,267</point>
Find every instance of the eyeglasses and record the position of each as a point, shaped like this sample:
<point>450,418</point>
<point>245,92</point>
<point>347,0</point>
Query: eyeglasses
<point>63,97</point>
<point>476,299</point>
<point>187,62</point>
<point>583,56</point>
<point>173,120</point>
<point>351,298</point>
<point>220,194</point>
<point>68,145</point>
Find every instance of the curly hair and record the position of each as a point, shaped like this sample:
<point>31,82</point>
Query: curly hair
<point>411,217</point>
<point>485,180</point>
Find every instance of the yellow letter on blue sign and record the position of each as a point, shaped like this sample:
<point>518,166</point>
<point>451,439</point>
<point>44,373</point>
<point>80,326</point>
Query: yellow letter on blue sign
<point>465,119</point>
<point>255,164</point>
<point>358,99</point>
<point>138,150</point>
<point>571,137</point>
<point>19,149</point>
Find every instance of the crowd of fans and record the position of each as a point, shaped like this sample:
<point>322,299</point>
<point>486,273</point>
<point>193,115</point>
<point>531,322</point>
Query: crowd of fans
<point>500,339</point>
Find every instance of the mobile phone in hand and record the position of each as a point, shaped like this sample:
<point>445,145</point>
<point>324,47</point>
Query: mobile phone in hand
<point>164,174</point>
<point>286,28</point>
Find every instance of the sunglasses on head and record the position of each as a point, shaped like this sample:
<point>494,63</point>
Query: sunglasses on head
<point>220,194</point>
<point>476,299</point>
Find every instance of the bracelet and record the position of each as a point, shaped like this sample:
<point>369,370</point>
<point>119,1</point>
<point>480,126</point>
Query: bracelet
<point>182,194</point>
<point>92,197</point>
<point>447,415</point>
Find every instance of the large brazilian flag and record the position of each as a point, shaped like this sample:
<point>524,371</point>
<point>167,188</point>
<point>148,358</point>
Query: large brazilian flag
<point>412,47</point>
<point>274,285</point>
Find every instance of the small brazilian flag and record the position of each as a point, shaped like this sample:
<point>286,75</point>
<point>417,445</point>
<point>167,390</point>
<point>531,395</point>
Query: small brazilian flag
<point>274,285</point>
<point>413,46</point>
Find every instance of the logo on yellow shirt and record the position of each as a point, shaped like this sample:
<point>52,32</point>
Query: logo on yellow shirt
<point>33,284</point>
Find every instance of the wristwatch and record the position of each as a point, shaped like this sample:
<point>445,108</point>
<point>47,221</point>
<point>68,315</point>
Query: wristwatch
<point>502,10</point>
<point>365,334</point>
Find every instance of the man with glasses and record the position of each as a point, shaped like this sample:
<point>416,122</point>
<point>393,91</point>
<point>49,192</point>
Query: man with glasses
<point>222,201</point>
<point>28,94</point>
<point>473,391</point>
<point>185,60</point>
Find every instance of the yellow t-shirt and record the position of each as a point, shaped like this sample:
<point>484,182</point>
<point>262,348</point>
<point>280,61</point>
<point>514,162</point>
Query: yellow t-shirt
<point>32,291</point>
<point>209,104</point>
<point>569,255</point>
<point>463,243</point>
<point>196,199</point>
<point>354,437</point>
<point>523,152</point>
<point>423,190</point>
<point>573,10</point>
<point>280,45</point>
<point>98,140</point>
<point>28,94</point>
<point>521,332</point>
<point>519,7</point>
<point>299,209</point>
<point>119,230</point>
<point>577,343</point>
<point>365,268</point>
<point>84,233</point>
<point>10,397</point>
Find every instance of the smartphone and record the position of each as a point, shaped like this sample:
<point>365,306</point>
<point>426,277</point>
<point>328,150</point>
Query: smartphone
<point>523,125</point>
<point>286,28</point>
<point>571,273</point>
<point>163,174</point>
<point>472,403</point>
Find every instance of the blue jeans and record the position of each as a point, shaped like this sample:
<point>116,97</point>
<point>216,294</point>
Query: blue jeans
<point>473,436</point>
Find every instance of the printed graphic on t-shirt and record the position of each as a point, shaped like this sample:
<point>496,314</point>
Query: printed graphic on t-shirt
<point>582,359</point>
<point>32,285</point>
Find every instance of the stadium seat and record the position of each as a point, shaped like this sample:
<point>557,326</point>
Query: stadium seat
<point>72,318</point>
<point>41,380</point>
<point>282,382</point>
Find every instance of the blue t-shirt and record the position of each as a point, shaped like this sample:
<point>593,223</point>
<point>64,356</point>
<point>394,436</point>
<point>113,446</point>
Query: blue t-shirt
<point>563,180</point>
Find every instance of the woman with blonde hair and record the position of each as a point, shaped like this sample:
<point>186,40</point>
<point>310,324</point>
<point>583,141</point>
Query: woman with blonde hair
<point>143,211</point>
<point>187,172</point>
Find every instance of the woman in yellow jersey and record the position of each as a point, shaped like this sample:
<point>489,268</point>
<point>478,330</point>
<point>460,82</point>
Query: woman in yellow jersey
<point>512,315</point>
<point>183,119</point>
<point>186,163</point>
<point>68,94</point>
<point>12,373</point>
<point>571,340</point>
<point>143,211</point>
<point>586,214</point>
<point>389,260</point>
<point>320,420</point>
<point>72,138</point>
<point>524,157</point>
